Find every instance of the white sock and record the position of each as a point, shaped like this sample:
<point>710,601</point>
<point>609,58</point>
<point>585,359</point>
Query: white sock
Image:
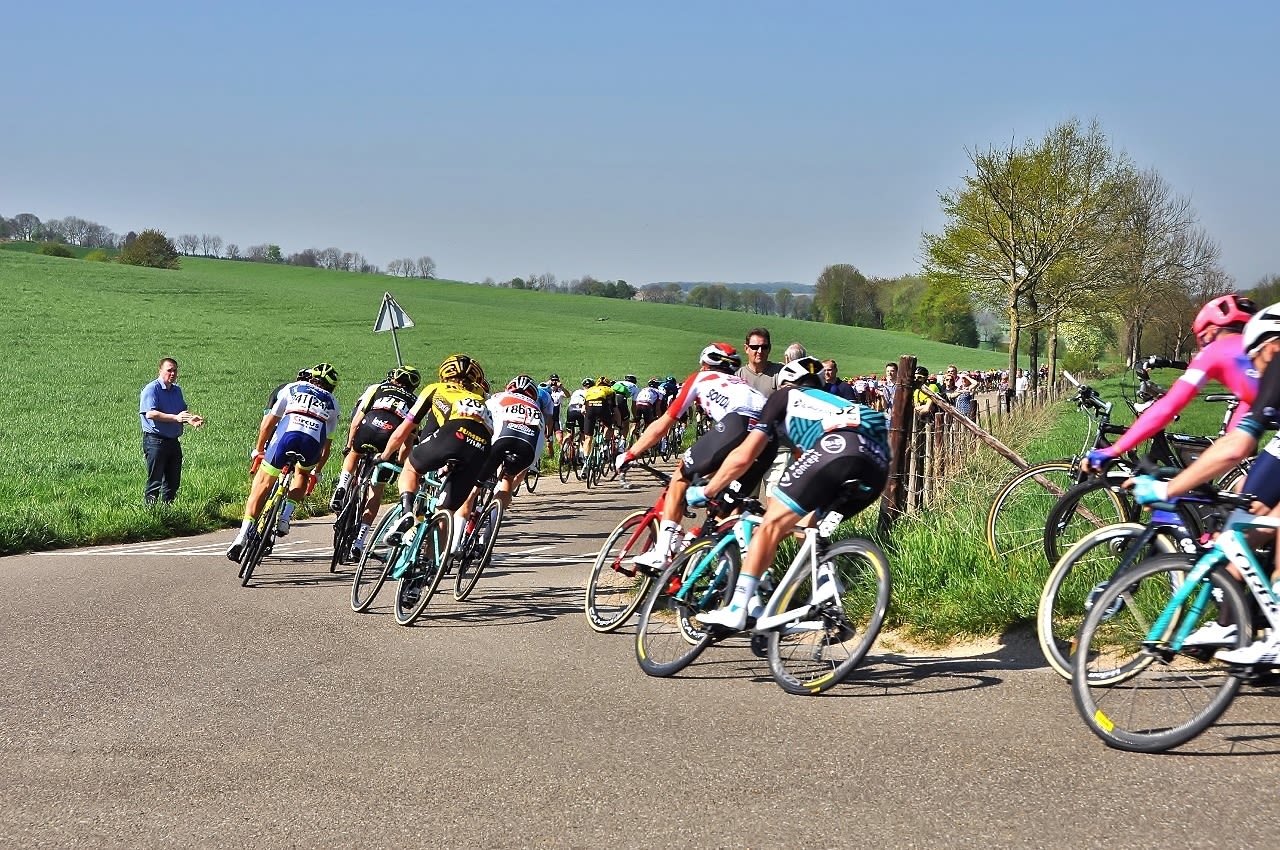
<point>667,534</point>
<point>245,526</point>
<point>343,480</point>
<point>743,591</point>
<point>362,534</point>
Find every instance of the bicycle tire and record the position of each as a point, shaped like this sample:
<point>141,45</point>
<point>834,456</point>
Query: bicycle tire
<point>345,527</point>
<point>818,652</point>
<point>531,479</point>
<point>565,465</point>
<point>1171,698</point>
<point>1102,498</point>
<point>263,536</point>
<point>375,564</point>
<point>474,557</point>
<point>422,578</point>
<point>613,595</point>
<point>1015,522</point>
<point>667,641</point>
<point>1080,576</point>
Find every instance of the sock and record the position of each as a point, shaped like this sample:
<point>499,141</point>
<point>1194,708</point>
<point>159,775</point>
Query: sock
<point>362,534</point>
<point>743,591</point>
<point>343,480</point>
<point>406,502</point>
<point>667,534</point>
<point>286,513</point>
<point>245,525</point>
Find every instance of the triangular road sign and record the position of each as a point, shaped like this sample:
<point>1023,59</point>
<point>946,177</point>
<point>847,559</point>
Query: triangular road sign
<point>391,315</point>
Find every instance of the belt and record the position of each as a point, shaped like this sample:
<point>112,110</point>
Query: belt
<point>156,436</point>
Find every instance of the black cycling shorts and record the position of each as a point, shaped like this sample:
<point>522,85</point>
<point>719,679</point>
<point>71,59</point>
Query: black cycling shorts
<point>455,442</point>
<point>843,472</point>
<point>573,420</point>
<point>369,434</point>
<point>599,415</point>
<point>646,414</point>
<point>706,455</point>
<point>1263,480</point>
<point>521,450</point>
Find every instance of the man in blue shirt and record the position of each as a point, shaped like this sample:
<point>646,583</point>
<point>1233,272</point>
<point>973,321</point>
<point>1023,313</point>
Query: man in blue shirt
<point>164,413</point>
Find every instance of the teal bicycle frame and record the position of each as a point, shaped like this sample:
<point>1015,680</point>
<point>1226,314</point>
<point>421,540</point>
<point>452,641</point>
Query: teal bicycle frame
<point>425,504</point>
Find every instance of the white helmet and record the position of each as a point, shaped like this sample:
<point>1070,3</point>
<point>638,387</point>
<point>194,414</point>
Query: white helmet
<point>803,371</point>
<point>1264,325</point>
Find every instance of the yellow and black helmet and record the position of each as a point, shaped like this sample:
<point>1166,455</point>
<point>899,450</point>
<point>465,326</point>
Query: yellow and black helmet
<point>455,368</point>
<point>324,375</point>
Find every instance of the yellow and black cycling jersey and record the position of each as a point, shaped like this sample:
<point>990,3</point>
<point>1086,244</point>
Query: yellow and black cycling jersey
<point>599,397</point>
<point>448,402</point>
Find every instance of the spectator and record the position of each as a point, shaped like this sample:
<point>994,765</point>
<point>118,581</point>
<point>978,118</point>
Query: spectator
<point>759,371</point>
<point>961,390</point>
<point>831,381</point>
<point>924,405</point>
<point>164,413</point>
<point>1020,385</point>
<point>794,352</point>
<point>887,388</point>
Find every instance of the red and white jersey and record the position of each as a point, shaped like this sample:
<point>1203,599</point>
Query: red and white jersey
<point>515,415</point>
<point>718,395</point>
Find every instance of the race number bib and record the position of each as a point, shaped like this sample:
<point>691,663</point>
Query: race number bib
<point>849,417</point>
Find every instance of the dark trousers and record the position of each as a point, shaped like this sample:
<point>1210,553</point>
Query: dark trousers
<point>164,467</point>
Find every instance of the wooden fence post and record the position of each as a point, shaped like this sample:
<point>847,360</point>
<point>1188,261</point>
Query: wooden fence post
<point>893,502</point>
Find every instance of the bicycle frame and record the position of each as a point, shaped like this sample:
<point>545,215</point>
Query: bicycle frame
<point>428,498</point>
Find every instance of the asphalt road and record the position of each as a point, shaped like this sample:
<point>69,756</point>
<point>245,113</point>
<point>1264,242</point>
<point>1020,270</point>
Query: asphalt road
<point>150,701</point>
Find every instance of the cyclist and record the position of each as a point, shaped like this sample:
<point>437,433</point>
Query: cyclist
<point>632,385</point>
<point>546,405</point>
<point>1217,328</point>
<point>843,467</point>
<point>303,420</point>
<point>622,396</point>
<point>519,430</point>
<point>574,418</point>
<point>598,409</point>
<point>734,405</point>
<point>455,426</point>
<point>650,403</point>
<point>1260,342</point>
<point>378,413</point>
<point>558,395</point>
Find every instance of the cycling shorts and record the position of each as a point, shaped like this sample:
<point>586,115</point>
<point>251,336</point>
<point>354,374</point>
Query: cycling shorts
<point>593,416</point>
<point>706,455</point>
<point>371,435</point>
<point>292,441</point>
<point>446,445</point>
<point>646,414</point>
<point>1263,480</point>
<point>522,456</point>
<point>574,419</point>
<point>843,472</point>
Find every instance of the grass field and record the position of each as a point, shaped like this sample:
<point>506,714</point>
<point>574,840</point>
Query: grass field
<point>81,339</point>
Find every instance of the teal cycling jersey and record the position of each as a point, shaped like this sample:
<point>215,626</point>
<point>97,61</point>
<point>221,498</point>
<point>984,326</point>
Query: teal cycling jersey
<point>799,417</point>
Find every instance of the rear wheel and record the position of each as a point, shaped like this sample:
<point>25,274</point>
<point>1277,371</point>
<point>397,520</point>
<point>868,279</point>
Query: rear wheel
<point>476,550</point>
<point>1132,690</point>
<point>816,652</point>
<point>565,466</point>
<point>531,479</point>
<point>375,564</point>
<point>423,576</point>
<point>668,639</point>
<point>262,537</point>
<point>345,526</point>
<point>616,588</point>
<point>1088,506</point>
<point>1016,521</point>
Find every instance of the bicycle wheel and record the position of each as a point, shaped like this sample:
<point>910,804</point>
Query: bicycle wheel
<point>263,536</point>
<point>375,563</point>
<point>615,588</point>
<point>1015,523</point>
<point>667,639</point>
<point>816,652</point>
<point>1088,506</point>
<point>1080,576</point>
<point>345,526</point>
<point>565,466</point>
<point>423,576</point>
<point>1169,697</point>
<point>476,550</point>
<point>531,479</point>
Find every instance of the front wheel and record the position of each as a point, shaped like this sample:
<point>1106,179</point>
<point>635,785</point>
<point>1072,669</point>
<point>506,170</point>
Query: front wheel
<point>616,588</point>
<point>375,564</point>
<point>668,639</point>
<point>1088,506</point>
<point>345,526</point>
<point>1080,576</point>
<point>565,466</point>
<point>1016,521</point>
<point>477,549</point>
<point>1133,690</point>
<point>423,576</point>
<point>816,652</point>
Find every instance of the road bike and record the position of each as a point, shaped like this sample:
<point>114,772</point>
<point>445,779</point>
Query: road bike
<point>262,536</point>
<point>1134,682</point>
<point>346,520</point>
<point>570,461</point>
<point>818,622</point>
<point>374,566</point>
<point>480,532</point>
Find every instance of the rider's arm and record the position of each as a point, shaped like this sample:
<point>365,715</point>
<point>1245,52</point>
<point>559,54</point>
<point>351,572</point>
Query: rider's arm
<point>738,461</point>
<point>265,430</point>
<point>421,409</point>
<point>1215,460</point>
<point>1154,418</point>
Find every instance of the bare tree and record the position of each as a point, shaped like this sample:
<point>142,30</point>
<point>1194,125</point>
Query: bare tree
<point>233,251</point>
<point>188,243</point>
<point>426,267</point>
<point>258,253</point>
<point>214,247</point>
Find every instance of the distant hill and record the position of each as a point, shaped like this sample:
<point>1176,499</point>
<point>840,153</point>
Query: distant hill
<point>796,288</point>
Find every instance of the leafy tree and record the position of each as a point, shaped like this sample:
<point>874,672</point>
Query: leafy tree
<point>802,307</point>
<point>98,255</point>
<point>273,254</point>
<point>26,226</point>
<point>1266,291</point>
<point>151,248</point>
<point>782,300</point>
<point>55,249</point>
<point>945,315</point>
<point>843,296</point>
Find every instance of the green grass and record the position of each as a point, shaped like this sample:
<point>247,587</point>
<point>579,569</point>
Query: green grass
<point>81,339</point>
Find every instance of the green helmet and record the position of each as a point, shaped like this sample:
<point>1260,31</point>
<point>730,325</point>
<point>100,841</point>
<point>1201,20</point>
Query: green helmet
<point>622,389</point>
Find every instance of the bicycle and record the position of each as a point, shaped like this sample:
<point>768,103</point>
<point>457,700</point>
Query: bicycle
<point>481,530</point>
<point>262,536</point>
<point>346,521</point>
<point>570,462</point>
<point>616,587</point>
<point>1136,685</point>
<point>818,622</point>
<point>376,561</point>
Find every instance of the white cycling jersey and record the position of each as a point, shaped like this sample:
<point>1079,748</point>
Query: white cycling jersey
<point>718,395</point>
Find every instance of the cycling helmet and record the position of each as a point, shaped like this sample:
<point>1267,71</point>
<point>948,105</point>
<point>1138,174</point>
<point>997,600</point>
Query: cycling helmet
<point>1221,312</point>
<point>406,376</point>
<point>454,368</point>
<point>602,381</point>
<point>803,372</point>
<point>586,382</point>
<point>324,375</point>
<point>653,382</point>
<point>553,377</point>
<point>670,379</point>
<point>631,379</point>
<point>622,389</point>
<point>524,385</point>
<point>475,374</point>
<point>304,374</point>
<point>1264,326</point>
<point>721,356</point>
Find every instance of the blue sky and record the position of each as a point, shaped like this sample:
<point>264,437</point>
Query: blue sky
<point>715,141</point>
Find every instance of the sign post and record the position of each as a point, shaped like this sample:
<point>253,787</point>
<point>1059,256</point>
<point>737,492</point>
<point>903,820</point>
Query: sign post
<point>391,316</point>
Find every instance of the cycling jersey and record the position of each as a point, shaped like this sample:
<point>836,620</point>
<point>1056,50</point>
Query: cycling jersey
<point>799,417</point>
<point>599,397</point>
<point>440,403</point>
<point>1224,361</point>
<point>383,406</point>
<point>577,400</point>
<point>647,396</point>
<point>546,405</point>
<point>304,407</point>
<point>718,395</point>
<point>515,416</point>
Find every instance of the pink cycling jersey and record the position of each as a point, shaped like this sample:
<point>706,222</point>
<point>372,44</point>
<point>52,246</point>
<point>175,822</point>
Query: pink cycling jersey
<point>1224,361</point>
<point>718,395</point>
